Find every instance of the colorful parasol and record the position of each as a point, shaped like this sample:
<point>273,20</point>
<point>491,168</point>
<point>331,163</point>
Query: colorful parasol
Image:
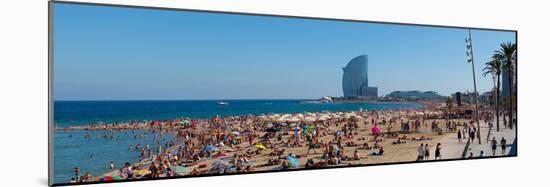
<point>109,178</point>
<point>375,130</point>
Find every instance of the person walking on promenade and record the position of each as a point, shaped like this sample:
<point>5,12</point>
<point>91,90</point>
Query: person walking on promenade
<point>471,155</point>
<point>494,145</point>
<point>478,135</point>
<point>459,136</point>
<point>473,134</point>
<point>438,151</point>
<point>421,152</point>
<point>426,152</point>
<point>503,145</point>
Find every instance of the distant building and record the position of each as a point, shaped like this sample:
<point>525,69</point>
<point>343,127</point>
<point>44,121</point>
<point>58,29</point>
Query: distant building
<point>487,98</point>
<point>415,95</point>
<point>370,91</point>
<point>464,97</point>
<point>355,81</point>
<point>457,97</point>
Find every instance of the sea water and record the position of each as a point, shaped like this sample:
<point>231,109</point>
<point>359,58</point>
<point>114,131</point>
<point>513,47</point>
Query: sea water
<point>93,154</point>
<point>70,113</point>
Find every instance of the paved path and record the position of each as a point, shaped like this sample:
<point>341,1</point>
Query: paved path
<point>452,149</point>
<point>507,133</point>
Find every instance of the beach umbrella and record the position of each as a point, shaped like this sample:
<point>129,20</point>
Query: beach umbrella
<point>184,122</point>
<point>179,170</point>
<point>269,125</point>
<point>274,116</point>
<point>281,119</point>
<point>260,146</point>
<point>155,123</point>
<point>375,130</point>
<point>347,115</point>
<point>109,178</point>
<point>307,128</point>
<point>294,119</point>
<point>325,117</point>
<point>263,117</point>
<point>235,133</point>
<point>286,116</point>
<point>309,119</point>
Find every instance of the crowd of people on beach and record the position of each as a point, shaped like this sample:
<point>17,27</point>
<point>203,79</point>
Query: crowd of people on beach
<point>233,144</point>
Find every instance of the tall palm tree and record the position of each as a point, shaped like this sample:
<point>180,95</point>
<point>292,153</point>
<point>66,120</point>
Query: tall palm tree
<point>507,55</point>
<point>494,67</point>
<point>515,60</point>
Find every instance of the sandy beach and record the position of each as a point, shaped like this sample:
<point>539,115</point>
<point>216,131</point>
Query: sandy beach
<point>284,141</point>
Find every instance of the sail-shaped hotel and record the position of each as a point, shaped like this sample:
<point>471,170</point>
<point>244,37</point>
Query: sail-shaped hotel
<point>355,82</point>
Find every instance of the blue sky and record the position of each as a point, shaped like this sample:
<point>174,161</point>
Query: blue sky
<point>110,53</point>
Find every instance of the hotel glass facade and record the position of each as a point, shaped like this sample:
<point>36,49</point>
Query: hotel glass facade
<point>355,81</point>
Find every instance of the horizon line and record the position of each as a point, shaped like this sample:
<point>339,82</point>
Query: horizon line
<point>184,99</point>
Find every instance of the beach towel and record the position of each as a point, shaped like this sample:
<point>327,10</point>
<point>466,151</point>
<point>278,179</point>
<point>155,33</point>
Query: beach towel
<point>210,148</point>
<point>220,155</point>
<point>375,154</point>
<point>293,161</point>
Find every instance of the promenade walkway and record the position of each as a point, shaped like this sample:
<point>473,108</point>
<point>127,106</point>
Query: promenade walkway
<point>485,146</point>
<point>452,149</point>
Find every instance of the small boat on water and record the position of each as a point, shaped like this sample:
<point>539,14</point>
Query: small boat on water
<point>221,103</point>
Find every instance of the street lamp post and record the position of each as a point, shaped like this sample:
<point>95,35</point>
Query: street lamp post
<point>495,96</point>
<point>470,59</point>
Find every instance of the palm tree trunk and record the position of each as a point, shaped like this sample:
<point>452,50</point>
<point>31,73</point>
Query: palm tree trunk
<point>510,99</point>
<point>498,101</point>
